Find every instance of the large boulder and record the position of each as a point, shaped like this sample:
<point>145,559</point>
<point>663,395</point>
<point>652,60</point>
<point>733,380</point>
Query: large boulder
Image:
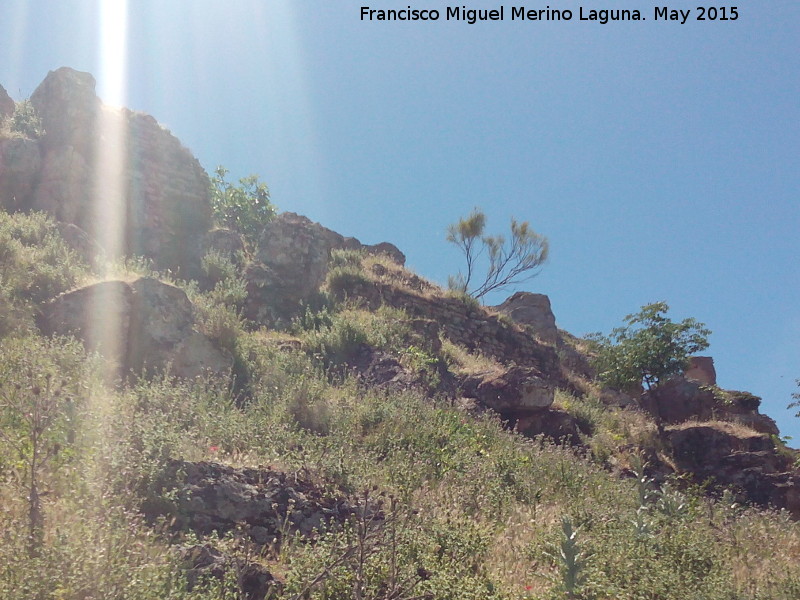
<point>534,311</point>
<point>7,104</point>
<point>513,392</point>
<point>141,325</point>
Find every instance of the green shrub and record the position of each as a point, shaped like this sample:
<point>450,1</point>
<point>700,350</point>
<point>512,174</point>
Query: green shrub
<point>245,208</point>
<point>35,262</point>
<point>346,257</point>
<point>23,122</point>
<point>343,280</point>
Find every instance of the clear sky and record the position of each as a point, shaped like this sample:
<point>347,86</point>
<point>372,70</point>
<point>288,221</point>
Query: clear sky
<point>661,159</point>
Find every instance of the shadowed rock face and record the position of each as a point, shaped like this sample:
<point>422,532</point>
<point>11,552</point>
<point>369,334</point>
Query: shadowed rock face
<point>165,193</point>
<point>206,497</point>
<point>6,104</point>
<point>680,399</point>
<point>749,464</point>
<point>20,168</point>
<point>139,325</point>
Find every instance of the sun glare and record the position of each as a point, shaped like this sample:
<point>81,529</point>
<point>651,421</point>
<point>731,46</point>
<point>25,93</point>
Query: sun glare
<point>110,157</point>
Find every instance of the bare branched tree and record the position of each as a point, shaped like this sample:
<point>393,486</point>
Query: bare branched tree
<point>510,261</point>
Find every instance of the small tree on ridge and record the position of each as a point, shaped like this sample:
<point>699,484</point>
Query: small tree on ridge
<point>510,261</point>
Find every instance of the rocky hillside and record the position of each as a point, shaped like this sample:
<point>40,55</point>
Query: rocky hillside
<point>300,416</point>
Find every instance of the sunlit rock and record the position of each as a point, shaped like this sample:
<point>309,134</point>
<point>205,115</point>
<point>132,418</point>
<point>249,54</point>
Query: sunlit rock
<point>140,326</point>
<point>532,310</point>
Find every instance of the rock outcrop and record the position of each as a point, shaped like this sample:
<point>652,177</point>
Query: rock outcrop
<point>165,196</point>
<point>291,265</point>
<point>534,311</point>
<point>746,462</point>
<point>514,392</point>
<point>141,325</point>
<point>701,369</point>
<point>208,497</point>
<point>469,326</point>
<point>680,399</point>
<point>7,104</point>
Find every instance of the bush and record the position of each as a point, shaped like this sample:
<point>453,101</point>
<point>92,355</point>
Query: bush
<point>24,122</point>
<point>35,262</point>
<point>245,208</point>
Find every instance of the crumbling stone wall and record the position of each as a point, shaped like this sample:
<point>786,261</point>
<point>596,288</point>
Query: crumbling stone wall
<point>165,191</point>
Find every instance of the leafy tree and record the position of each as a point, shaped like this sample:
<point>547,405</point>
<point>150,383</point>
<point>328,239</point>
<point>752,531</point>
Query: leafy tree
<point>245,208</point>
<point>510,261</point>
<point>648,348</point>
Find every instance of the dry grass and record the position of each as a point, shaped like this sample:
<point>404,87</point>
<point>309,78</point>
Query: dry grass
<point>383,269</point>
<point>464,362</point>
<point>729,427</point>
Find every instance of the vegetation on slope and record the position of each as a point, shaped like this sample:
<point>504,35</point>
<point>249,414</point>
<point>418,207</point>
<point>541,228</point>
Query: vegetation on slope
<point>453,505</point>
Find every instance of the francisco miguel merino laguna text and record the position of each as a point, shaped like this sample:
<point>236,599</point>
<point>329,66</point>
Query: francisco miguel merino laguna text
<point>521,13</point>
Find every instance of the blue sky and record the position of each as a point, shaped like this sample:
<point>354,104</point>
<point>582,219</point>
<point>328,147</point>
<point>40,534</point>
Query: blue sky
<point>660,159</point>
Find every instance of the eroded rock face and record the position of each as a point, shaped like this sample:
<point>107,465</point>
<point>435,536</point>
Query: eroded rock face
<point>533,310</point>
<point>208,497</point>
<point>140,325</point>
<point>678,400</point>
<point>747,463</point>
<point>701,369</point>
<point>163,192</point>
<point>296,250</point>
<point>557,425</point>
<point>6,104</point>
<point>68,107</point>
<point>291,265</point>
<point>20,166</point>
